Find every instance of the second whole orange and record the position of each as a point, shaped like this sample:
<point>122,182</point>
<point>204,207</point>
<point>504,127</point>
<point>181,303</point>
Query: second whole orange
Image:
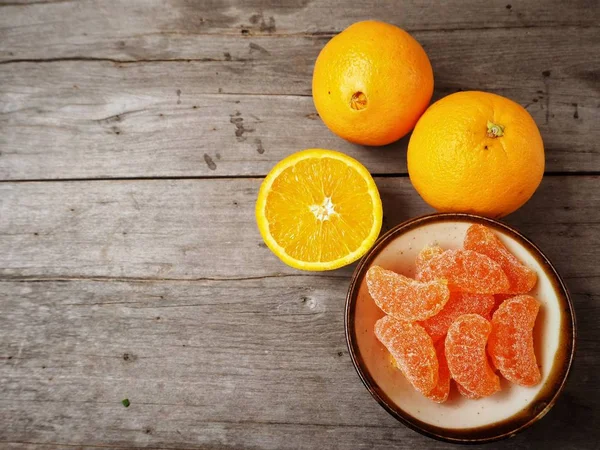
<point>371,83</point>
<point>476,152</point>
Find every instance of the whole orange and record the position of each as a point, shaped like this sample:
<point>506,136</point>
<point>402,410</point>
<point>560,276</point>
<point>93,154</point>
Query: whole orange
<point>371,83</point>
<point>476,152</point>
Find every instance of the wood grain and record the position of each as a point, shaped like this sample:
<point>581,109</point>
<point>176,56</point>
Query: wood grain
<point>153,287</point>
<point>196,229</point>
<point>217,364</point>
<point>105,119</point>
<point>149,28</point>
<point>160,291</point>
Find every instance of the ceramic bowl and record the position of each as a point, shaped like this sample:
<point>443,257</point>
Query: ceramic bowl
<point>460,420</point>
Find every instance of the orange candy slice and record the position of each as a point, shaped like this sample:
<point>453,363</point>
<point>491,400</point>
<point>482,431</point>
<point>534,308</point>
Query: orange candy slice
<point>499,299</point>
<point>466,393</point>
<point>511,341</point>
<point>423,258</point>
<point>440,392</point>
<point>467,271</point>
<point>404,298</point>
<point>481,239</point>
<point>413,350</point>
<point>466,355</point>
<point>458,305</point>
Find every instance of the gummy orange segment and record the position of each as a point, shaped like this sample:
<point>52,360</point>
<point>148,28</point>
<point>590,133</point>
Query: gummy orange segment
<point>424,256</point>
<point>511,341</point>
<point>499,299</point>
<point>413,350</point>
<point>466,355</point>
<point>439,393</point>
<point>458,304</point>
<point>467,271</point>
<point>481,239</point>
<point>466,393</point>
<point>404,298</point>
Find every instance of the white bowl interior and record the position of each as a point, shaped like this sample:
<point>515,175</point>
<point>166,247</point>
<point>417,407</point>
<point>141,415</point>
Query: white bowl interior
<point>458,412</point>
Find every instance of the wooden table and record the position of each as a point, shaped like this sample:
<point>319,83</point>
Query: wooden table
<point>133,138</point>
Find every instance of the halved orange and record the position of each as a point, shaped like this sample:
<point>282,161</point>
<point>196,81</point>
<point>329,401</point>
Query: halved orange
<point>319,210</point>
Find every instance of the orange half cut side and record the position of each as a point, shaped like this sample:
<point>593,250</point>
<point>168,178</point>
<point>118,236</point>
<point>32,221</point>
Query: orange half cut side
<point>319,210</point>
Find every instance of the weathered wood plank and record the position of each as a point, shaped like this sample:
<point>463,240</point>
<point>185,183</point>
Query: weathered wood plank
<point>74,119</point>
<point>213,135</point>
<point>223,364</point>
<point>196,229</point>
<point>146,29</point>
<point>162,291</point>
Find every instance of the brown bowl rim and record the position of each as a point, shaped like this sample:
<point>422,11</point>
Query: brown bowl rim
<point>488,433</point>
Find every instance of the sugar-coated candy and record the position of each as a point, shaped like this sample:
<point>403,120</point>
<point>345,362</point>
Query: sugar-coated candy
<point>424,256</point>
<point>413,351</point>
<point>458,304</point>
<point>481,239</point>
<point>404,298</point>
<point>467,358</point>
<point>466,393</point>
<point>467,271</point>
<point>439,393</point>
<point>510,344</point>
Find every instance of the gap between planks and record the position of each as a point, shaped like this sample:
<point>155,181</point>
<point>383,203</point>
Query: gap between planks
<point>37,279</point>
<point>244,177</point>
<point>108,279</point>
<point>248,33</point>
<point>266,35</point>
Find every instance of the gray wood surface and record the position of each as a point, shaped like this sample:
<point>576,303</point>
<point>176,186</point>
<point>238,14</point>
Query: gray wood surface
<point>243,102</point>
<point>100,303</point>
<point>95,26</point>
<point>189,229</point>
<point>133,138</point>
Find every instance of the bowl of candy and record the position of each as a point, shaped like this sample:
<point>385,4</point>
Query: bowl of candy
<point>460,327</point>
